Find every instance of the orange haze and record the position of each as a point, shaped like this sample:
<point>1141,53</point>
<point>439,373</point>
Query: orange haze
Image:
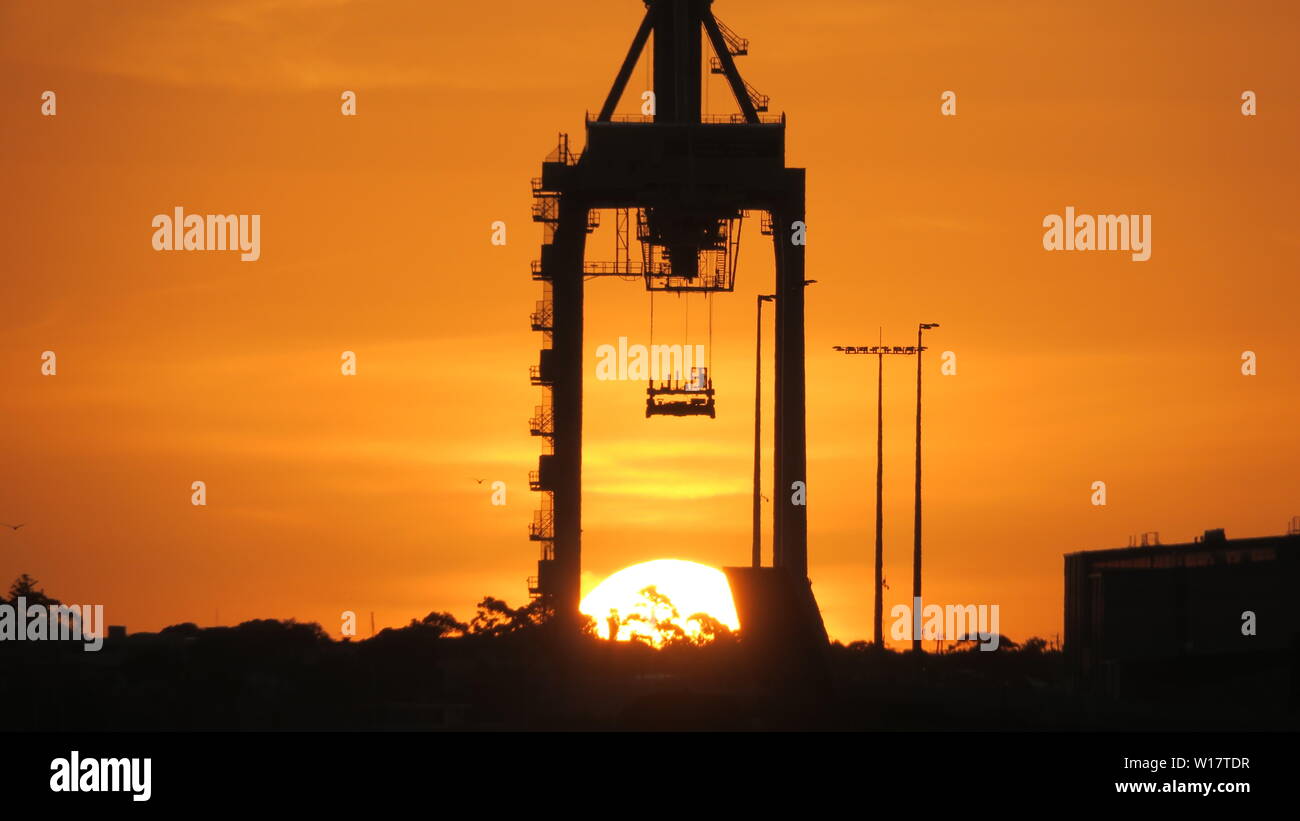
<point>328,493</point>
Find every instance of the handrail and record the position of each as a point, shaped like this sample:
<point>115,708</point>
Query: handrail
<point>736,44</point>
<point>706,119</point>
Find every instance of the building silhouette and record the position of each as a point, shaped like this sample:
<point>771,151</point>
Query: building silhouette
<point>1215,611</point>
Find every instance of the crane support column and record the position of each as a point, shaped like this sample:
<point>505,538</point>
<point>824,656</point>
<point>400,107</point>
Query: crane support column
<point>567,287</point>
<point>790,510</point>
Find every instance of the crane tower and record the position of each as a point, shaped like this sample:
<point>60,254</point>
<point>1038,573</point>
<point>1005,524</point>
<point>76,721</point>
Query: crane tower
<point>689,179</point>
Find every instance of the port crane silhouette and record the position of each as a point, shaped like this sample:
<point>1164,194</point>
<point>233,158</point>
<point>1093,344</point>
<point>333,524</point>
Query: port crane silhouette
<point>683,181</point>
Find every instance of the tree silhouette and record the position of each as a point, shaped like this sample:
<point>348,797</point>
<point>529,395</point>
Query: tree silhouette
<point>25,587</point>
<point>496,618</point>
<point>711,629</point>
<point>972,643</point>
<point>1034,646</point>
<point>657,612</point>
<point>657,621</point>
<point>442,624</point>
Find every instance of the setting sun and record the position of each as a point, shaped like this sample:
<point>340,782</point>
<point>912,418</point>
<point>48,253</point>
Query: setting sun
<point>660,600</point>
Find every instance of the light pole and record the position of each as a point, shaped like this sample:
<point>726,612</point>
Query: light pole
<point>880,351</point>
<point>916,525</point>
<point>878,614</point>
<point>757,559</point>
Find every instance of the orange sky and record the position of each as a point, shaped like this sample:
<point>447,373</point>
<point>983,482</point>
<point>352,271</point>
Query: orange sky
<point>328,493</point>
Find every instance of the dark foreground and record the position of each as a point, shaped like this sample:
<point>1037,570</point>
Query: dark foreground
<point>270,675</point>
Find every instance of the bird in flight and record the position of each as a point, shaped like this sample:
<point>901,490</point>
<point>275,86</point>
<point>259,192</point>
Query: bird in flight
<point>480,481</point>
<point>13,527</point>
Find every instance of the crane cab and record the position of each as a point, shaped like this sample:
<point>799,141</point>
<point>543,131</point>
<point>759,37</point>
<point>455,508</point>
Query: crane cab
<point>682,397</point>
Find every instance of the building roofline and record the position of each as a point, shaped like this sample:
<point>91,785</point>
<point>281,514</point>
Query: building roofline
<point>1291,540</point>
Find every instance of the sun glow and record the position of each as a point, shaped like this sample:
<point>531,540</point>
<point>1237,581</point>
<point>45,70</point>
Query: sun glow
<point>660,601</point>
